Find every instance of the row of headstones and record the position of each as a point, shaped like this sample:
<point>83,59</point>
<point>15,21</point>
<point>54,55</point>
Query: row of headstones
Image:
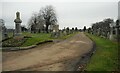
<point>62,32</point>
<point>112,34</point>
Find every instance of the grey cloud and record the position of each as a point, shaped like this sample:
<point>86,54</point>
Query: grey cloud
<point>69,13</point>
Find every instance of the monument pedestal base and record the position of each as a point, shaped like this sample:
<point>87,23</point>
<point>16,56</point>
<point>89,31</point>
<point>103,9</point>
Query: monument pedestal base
<point>18,36</point>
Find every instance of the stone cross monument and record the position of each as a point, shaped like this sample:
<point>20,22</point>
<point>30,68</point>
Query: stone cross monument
<point>18,22</point>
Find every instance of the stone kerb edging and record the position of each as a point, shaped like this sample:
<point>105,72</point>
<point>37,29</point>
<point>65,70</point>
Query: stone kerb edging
<point>23,48</point>
<point>17,48</point>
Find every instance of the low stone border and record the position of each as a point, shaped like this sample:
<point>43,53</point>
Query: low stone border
<point>23,48</point>
<point>17,48</point>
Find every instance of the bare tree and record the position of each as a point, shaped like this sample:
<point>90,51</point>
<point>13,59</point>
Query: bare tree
<point>43,19</point>
<point>2,24</point>
<point>41,22</point>
<point>49,16</point>
<point>33,22</point>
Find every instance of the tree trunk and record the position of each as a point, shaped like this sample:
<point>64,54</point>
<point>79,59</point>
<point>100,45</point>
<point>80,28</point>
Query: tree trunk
<point>47,28</point>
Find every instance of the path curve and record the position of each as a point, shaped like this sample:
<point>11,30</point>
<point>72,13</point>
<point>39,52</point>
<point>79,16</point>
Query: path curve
<point>60,56</point>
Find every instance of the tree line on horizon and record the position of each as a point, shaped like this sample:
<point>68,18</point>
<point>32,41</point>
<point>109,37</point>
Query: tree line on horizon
<point>102,28</point>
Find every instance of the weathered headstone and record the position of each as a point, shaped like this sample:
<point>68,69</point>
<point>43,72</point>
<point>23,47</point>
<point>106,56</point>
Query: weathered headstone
<point>99,32</point>
<point>18,22</point>
<point>50,28</point>
<point>64,32</point>
<point>112,30</point>
<point>55,31</point>
<point>55,28</point>
<point>4,33</point>
<point>60,32</point>
<point>3,30</point>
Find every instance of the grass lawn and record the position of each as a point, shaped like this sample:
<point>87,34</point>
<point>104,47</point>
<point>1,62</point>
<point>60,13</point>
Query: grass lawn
<point>32,39</point>
<point>105,57</point>
<point>67,36</point>
<point>10,34</point>
<point>40,37</point>
<point>35,38</point>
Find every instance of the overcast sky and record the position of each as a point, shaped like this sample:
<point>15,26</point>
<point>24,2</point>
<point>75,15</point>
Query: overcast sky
<point>69,14</point>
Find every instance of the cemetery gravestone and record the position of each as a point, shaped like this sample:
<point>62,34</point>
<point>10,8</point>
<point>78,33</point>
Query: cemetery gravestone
<point>64,32</point>
<point>18,22</point>
<point>60,32</point>
<point>4,32</point>
<point>50,28</point>
<point>55,31</point>
<point>111,35</point>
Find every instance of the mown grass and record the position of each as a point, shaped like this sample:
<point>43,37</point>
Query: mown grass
<point>105,57</point>
<point>10,34</point>
<point>67,36</point>
<point>35,38</point>
<point>41,37</point>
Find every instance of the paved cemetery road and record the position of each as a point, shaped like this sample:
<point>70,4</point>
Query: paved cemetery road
<point>59,56</point>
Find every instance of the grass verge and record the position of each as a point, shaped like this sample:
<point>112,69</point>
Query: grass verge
<point>41,37</point>
<point>67,36</point>
<point>105,57</point>
<point>35,38</point>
